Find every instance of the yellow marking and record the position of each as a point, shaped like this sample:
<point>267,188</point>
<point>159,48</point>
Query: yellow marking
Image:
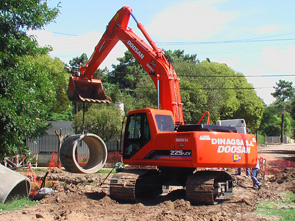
<point>116,17</point>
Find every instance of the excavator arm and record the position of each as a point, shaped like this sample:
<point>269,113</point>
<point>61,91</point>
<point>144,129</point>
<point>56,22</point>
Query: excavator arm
<point>148,55</point>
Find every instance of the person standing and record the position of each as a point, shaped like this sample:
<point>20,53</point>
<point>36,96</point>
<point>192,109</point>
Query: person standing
<point>247,171</point>
<point>254,174</point>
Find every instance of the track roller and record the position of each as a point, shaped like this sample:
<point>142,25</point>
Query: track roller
<point>204,187</point>
<point>129,185</point>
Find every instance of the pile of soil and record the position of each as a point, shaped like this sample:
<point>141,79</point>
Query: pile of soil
<point>81,197</point>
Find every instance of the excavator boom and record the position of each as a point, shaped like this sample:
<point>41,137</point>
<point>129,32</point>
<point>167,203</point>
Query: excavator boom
<point>152,59</point>
<point>85,88</point>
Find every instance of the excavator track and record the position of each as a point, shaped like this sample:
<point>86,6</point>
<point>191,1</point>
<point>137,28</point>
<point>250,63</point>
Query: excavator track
<point>205,187</point>
<point>124,185</point>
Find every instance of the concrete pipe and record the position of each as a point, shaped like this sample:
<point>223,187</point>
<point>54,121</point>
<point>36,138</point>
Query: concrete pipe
<point>13,184</point>
<point>97,153</point>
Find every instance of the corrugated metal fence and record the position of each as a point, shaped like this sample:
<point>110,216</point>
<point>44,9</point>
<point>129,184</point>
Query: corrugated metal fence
<point>277,139</point>
<point>49,144</point>
<point>46,145</point>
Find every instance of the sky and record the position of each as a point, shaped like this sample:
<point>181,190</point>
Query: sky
<point>255,38</point>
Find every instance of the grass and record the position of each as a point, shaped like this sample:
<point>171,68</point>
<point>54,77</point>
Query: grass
<point>43,170</point>
<point>106,171</point>
<point>36,170</point>
<point>283,209</point>
<point>16,204</point>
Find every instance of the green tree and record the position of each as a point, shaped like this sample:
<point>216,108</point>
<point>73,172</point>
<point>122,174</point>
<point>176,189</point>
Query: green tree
<point>194,100</point>
<point>25,95</point>
<point>251,107</point>
<point>284,95</point>
<point>288,121</point>
<point>179,56</point>
<point>24,104</point>
<point>76,63</point>
<point>128,83</point>
<point>192,94</point>
<point>16,17</point>
<point>127,73</point>
<point>146,93</point>
<point>53,73</point>
<point>101,119</point>
<point>271,123</point>
<point>284,90</point>
<point>218,89</point>
<point>293,108</point>
<point>218,80</point>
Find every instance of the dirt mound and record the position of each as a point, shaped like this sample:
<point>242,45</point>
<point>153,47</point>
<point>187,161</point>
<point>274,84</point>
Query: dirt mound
<point>275,166</point>
<point>284,180</point>
<point>81,197</point>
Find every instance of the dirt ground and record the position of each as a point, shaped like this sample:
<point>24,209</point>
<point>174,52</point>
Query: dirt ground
<point>79,196</point>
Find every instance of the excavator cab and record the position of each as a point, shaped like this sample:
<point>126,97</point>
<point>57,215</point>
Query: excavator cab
<point>85,90</point>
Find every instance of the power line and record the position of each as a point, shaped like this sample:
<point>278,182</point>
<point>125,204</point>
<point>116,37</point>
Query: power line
<point>237,76</point>
<point>225,88</point>
<point>226,41</point>
<point>66,34</point>
<point>249,40</point>
<point>232,88</point>
<point>220,76</point>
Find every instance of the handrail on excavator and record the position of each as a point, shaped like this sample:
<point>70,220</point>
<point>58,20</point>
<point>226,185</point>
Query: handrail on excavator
<point>208,119</point>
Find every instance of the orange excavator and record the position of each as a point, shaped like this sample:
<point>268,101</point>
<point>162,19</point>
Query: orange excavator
<point>166,151</point>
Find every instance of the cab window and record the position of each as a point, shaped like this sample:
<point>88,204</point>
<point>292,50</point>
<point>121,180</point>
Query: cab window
<point>165,123</point>
<point>137,134</point>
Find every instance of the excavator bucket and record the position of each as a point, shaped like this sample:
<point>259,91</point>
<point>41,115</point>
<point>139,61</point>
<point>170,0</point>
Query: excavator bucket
<point>81,90</point>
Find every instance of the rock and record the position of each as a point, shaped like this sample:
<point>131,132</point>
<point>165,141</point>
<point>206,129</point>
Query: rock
<point>39,216</point>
